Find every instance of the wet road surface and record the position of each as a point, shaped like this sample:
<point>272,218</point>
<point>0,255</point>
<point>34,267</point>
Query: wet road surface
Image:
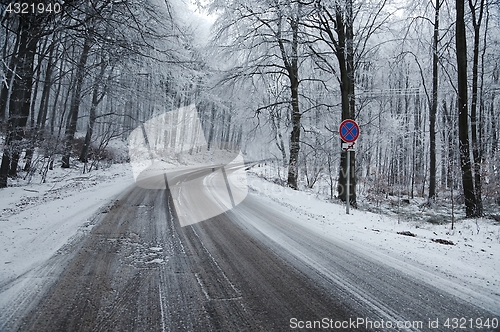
<point>248,269</point>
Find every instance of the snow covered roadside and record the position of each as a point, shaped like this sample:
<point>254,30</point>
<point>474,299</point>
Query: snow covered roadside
<point>469,268</point>
<point>38,219</point>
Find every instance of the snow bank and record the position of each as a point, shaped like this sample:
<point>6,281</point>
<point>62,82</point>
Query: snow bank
<point>472,262</point>
<point>38,219</point>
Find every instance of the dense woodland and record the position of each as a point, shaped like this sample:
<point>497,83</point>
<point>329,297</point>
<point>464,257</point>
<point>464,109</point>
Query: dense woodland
<point>276,77</point>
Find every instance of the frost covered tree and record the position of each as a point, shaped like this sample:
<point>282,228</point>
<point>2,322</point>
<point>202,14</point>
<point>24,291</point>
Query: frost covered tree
<point>75,67</point>
<point>262,39</point>
<point>337,35</point>
<point>18,83</point>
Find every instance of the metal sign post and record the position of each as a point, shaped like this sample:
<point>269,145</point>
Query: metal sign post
<point>348,194</point>
<point>348,147</point>
<point>349,133</point>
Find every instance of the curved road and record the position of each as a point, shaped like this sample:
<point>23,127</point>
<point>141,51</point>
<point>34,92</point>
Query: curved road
<point>248,269</point>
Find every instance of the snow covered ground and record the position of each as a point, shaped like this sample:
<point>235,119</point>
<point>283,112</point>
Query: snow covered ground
<point>39,219</point>
<point>468,256</point>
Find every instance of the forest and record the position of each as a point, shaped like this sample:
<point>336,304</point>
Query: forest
<point>274,77</point>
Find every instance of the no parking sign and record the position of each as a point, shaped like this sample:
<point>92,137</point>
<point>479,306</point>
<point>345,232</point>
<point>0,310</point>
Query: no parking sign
<point>349,133</point>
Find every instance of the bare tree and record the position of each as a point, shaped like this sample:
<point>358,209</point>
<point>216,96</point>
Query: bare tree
<point>477,18</point>
<point>28,34</point>
<point>463,114</point>
<point>434,105</point>
<point>269,37</point>
<point>335,23</point>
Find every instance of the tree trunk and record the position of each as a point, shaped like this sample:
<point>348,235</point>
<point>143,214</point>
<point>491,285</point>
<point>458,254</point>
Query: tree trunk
<point>494,131</point>
<point>293,76</point>
<point>444,151</point>
<point>9,75</point>
<point>96,99</point>
<point>211,131</point>
<point>34,127</point>
<point>53,113</point>
<point>433,108</point>
<point>294,137</point>
<point>463,120</point>
<point>281,144</point>
<point>345,56</point>
<point>75,102</point>
<point>20,99</point>
<point>476,144</point>
<point>44,101</point>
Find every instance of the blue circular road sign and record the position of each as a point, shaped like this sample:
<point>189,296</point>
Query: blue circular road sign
<point>349,131</point>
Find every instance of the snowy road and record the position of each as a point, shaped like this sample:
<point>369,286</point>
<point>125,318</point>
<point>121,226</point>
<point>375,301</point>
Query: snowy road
<point>249,269</point>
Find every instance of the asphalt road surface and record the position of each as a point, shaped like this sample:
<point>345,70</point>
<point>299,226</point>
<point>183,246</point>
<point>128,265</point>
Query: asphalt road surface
<point>247,269</point>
